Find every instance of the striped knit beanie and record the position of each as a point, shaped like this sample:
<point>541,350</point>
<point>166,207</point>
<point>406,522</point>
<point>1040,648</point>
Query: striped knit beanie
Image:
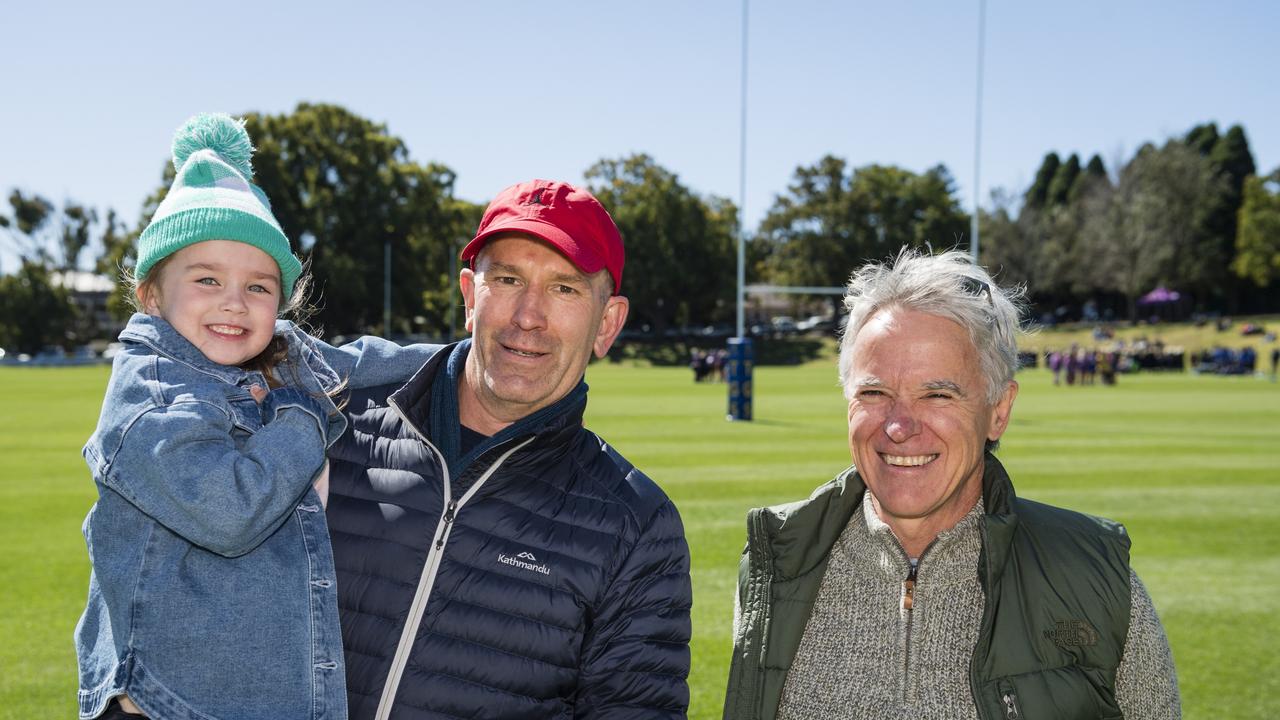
<point>212,198</point>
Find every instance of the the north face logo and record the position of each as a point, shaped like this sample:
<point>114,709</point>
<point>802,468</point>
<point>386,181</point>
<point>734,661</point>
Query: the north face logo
<point>1072,633</point>
<point>524,561</point>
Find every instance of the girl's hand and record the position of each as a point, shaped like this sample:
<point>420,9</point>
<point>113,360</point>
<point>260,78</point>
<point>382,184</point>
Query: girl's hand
<point>322,485</point>
<point>258,392</point>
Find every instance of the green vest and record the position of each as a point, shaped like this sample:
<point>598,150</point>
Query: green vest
<point>1053,626</point>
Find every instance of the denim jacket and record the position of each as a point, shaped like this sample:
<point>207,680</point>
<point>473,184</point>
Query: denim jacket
<point>212,591</point>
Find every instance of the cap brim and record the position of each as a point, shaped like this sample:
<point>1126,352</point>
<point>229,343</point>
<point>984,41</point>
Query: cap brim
<point>582,257</point>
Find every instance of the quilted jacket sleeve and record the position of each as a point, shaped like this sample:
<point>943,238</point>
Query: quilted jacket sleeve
<point>636,653</point>
<point>180,465</point>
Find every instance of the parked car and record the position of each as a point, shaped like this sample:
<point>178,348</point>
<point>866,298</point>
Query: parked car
<point>784,324</point>
<point>816,323</point>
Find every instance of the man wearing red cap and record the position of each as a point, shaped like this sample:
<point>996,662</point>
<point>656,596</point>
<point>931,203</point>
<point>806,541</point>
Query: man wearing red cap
<point>495,558</point>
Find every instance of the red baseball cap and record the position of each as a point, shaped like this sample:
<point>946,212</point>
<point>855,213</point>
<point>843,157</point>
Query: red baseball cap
<point>570,219</point>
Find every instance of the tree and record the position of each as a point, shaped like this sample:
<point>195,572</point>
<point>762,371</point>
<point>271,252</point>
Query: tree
<point>828,222</point>
<point>1258,244</point>
<point>343,189</point>
<point>680,246</point>
<point>118,254</point>
<point>1140,234</point>
<point>1007,250</point>
<point>33,311</point>
<point>1096,170</point>
<point>1038,194</point>
<point>42,233</point>
<point>1064,181</point>
<point>1206,267</point>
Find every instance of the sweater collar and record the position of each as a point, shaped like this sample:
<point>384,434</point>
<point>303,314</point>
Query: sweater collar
<point>953,555</point>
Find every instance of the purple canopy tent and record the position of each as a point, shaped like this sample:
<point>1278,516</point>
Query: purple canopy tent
<point>1160,296</point>
<point>1163,303</point>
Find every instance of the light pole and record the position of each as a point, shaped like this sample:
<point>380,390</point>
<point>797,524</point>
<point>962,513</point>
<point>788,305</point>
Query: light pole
<point>742,178</point>
<point>741,356</point>
<point>977,131</point>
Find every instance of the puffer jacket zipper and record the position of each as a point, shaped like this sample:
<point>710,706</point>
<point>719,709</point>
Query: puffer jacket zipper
<point>435,554</point>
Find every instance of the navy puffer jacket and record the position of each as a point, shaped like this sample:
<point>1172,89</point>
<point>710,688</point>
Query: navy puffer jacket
<point>538,576</point>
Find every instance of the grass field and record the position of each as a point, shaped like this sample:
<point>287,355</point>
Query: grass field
<point>1190,464</point>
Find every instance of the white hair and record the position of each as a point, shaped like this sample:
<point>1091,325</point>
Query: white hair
<point>948,285</point>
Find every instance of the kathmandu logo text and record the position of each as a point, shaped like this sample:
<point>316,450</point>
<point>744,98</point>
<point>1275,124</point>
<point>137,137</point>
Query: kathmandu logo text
<point>524,561</point>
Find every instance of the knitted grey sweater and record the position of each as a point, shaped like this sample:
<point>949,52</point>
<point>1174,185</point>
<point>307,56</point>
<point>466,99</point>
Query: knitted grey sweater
<point>863,655</point>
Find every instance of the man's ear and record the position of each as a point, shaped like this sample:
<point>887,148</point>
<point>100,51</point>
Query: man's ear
<point>467,284</point>
<point>615,316</point>
<point>1000,412</point>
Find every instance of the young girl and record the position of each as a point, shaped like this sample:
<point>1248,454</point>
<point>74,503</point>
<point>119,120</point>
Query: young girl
<point>212,593</point>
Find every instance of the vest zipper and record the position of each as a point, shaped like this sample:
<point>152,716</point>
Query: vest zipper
<point>1009,700</point>
<point>435,554</point>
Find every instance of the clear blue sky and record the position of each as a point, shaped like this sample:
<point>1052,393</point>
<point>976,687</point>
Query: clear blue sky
<point>505,91</point>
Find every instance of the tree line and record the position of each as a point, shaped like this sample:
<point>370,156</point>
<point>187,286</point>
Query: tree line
<point>1192,213</point>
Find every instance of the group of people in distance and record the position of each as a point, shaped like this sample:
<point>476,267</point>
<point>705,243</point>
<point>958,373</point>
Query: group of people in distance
<point>1083,364</point>
<point>287,529</point>
<point>708,365</point>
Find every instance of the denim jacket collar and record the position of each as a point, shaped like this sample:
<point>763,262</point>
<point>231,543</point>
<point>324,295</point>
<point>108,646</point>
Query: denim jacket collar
<point>156,333</point>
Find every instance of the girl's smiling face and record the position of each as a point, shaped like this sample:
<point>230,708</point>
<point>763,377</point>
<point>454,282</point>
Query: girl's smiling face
<point>221,295</point>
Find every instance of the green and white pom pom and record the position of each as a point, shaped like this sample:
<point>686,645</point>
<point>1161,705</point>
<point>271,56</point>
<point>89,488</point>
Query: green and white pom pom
<point>218,132</point>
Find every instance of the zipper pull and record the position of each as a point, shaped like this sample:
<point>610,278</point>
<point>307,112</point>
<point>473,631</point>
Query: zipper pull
<point>909,589</point>
<point>1011,706</point>
<point>446,522</point>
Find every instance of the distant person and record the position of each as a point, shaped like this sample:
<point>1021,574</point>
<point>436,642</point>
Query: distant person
<point>916,584</point>
<point>1088,366</point>
<point>495,558</point>
<point>212,590</point>
<point>1107,362</point>
<point>1275,362</point>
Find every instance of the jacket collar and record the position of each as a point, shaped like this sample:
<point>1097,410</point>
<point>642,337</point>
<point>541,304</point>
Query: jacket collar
<point>800,535</point>
<point>430,402</point>
<point>157,334</point>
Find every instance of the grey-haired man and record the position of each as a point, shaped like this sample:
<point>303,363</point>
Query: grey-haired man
<point>916,584</point>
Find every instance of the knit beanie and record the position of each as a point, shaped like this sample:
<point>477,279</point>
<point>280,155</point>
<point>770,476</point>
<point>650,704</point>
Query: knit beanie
<point>213,199</point>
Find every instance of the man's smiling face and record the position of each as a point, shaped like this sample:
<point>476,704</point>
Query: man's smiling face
<point>535,321</point>
<point>919,419</point>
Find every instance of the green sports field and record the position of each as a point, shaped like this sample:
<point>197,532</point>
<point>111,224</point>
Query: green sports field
<point>1190,464</point>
